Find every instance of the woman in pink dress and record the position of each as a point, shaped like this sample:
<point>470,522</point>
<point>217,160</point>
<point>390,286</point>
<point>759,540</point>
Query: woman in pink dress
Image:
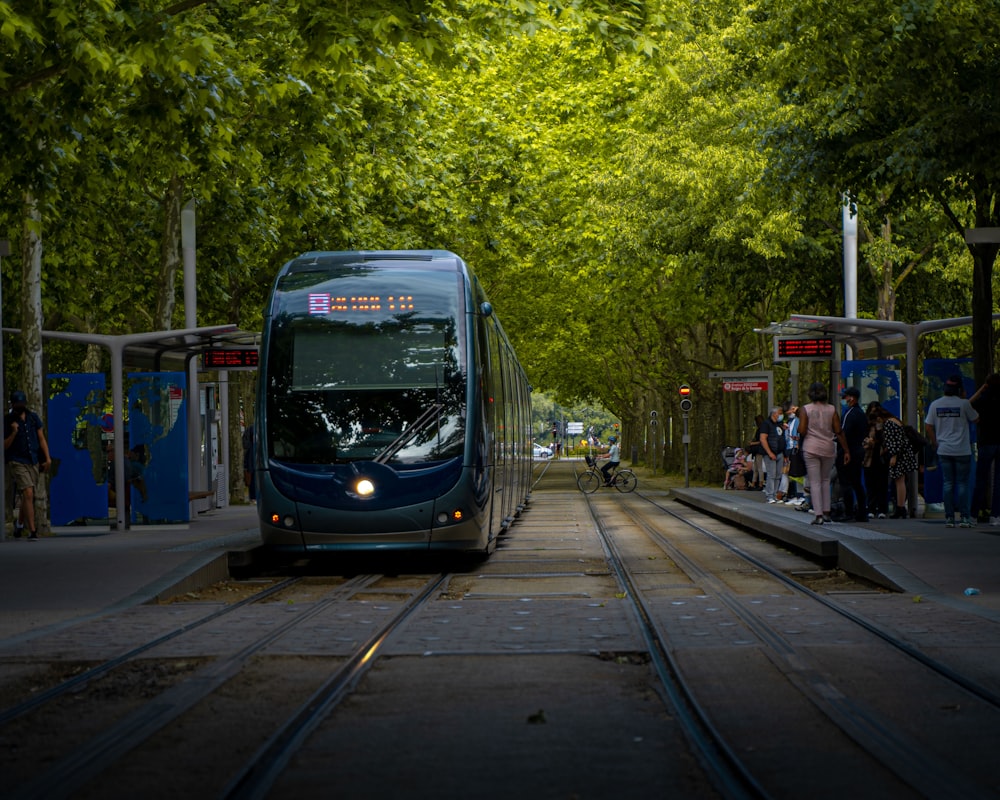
<point>819,430</point>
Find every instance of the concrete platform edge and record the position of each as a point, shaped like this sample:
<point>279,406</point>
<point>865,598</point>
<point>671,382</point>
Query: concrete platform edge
<point>855,557</point>
<point>820,543</point>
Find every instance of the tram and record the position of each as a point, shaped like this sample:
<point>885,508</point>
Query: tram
<point>393,414</point>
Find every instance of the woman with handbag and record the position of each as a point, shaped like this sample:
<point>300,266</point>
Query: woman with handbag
<point>819,429</point>
<point>900,457</point>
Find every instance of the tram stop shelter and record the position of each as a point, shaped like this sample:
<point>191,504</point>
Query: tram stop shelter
<point>872,338</point>
<point>875,339</point>
<point>155,352</point>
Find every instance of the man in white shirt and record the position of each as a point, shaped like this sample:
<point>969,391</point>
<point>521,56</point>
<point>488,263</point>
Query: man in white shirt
<point>947,428</point>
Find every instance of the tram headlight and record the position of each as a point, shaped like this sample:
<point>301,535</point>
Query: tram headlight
<point>364,487</point>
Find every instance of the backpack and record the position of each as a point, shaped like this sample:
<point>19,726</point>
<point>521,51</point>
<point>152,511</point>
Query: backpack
<point>917,440</point>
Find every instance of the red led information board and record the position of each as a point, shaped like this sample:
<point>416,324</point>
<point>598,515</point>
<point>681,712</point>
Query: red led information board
<point>816,349</point>
<point>230,359</point>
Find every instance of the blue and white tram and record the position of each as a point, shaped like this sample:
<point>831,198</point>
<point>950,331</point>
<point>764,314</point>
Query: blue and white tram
<point>392,411</point>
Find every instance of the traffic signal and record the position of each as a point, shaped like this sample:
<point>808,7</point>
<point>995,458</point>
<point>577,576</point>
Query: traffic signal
<point>616,427</point>
<point>685,393</point>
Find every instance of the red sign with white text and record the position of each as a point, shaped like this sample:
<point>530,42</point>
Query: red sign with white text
<point>744,386</point>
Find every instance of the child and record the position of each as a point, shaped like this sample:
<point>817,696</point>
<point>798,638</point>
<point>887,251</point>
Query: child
<point>739,471</point>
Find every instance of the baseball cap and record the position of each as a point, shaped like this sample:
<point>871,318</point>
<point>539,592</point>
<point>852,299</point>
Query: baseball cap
<point>18,397</point>
<point>953,380</point>
<point>852,391</point>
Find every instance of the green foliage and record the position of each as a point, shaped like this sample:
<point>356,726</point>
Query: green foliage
<point>639,185</point>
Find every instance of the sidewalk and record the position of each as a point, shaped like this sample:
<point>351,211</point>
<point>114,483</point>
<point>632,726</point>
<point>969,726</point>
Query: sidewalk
<point>80,572</point>
<point>917,556</point>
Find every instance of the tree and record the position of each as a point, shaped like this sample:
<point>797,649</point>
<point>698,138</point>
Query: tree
<point>893,94</point>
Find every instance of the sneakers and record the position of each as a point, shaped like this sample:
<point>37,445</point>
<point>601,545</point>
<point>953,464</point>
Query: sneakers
<point>33,535</point>
<point>881,515</point>
<point>771,501</point>
<point>949,523</point>
<point>18,530</point>
<point>995,522</point>
<point>966,523</point>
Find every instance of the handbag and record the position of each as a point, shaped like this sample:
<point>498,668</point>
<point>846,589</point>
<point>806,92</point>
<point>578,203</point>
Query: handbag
<point>796,464</point>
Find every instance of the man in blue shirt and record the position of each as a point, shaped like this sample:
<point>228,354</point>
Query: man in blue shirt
<point>26,453</point>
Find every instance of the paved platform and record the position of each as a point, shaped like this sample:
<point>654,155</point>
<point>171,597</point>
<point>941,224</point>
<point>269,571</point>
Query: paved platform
<point>88,571</point>
<point>917,556</point>
<point>81,572</point>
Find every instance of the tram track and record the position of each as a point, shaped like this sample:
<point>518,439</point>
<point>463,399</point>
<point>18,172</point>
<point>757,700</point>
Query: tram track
<point>69,772</point>
<point>905,754</point>
<point>608,648</point>
<point>889,637</point>
<point>78,681</point>
<point>720,762</point>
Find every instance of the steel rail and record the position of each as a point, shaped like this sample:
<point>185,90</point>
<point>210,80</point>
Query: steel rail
<point>265,766</point>
<point>722,765</point>
<point>65,777</point>
<point>909,763</point>
<point>78,681</point>
<point>969,685</point>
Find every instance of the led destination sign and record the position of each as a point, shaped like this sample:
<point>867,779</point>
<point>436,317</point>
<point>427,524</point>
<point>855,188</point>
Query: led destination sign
<point>817,349</point>
<point>323,303</point>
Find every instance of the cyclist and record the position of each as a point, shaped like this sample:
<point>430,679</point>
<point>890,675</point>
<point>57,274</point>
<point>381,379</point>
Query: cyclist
<point>614,458</point>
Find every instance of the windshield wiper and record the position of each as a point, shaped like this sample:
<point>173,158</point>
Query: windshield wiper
<point>424,421</point>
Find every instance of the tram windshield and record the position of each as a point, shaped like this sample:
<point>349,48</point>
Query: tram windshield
<point>366,364</point>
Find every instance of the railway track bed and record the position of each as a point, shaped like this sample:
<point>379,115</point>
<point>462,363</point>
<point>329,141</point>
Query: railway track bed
<point>611,647</point>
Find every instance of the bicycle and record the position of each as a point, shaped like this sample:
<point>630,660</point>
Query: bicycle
<point>623,479</point>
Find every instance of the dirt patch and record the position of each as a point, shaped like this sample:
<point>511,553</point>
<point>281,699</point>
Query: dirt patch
<point>834,581</point>
<point>223,592</point>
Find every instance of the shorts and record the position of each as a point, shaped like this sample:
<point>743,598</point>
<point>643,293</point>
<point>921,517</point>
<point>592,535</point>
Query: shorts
<point>25,476</point>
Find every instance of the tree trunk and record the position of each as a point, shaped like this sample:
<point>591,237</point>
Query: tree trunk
<point>983,258</point>
<point>170,255</point>
<point>32,324</point>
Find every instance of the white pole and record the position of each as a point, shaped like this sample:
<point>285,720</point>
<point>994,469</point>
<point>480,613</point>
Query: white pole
<point>850,215</point>
<point>849,211</point>
<point>188,243</point>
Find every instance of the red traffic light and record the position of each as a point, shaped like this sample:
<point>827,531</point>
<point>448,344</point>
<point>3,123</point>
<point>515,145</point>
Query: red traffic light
<point>685,393</point>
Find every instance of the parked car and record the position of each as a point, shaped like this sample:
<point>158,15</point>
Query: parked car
<point>542,452</point>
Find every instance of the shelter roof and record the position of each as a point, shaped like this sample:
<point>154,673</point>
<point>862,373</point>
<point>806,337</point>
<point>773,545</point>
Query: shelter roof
<point>869,338</point>
<point>159,350</point>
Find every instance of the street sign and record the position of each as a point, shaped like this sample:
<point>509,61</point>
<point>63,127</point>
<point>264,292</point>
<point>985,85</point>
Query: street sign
<point>744,386</point>
<point>574,427</point>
